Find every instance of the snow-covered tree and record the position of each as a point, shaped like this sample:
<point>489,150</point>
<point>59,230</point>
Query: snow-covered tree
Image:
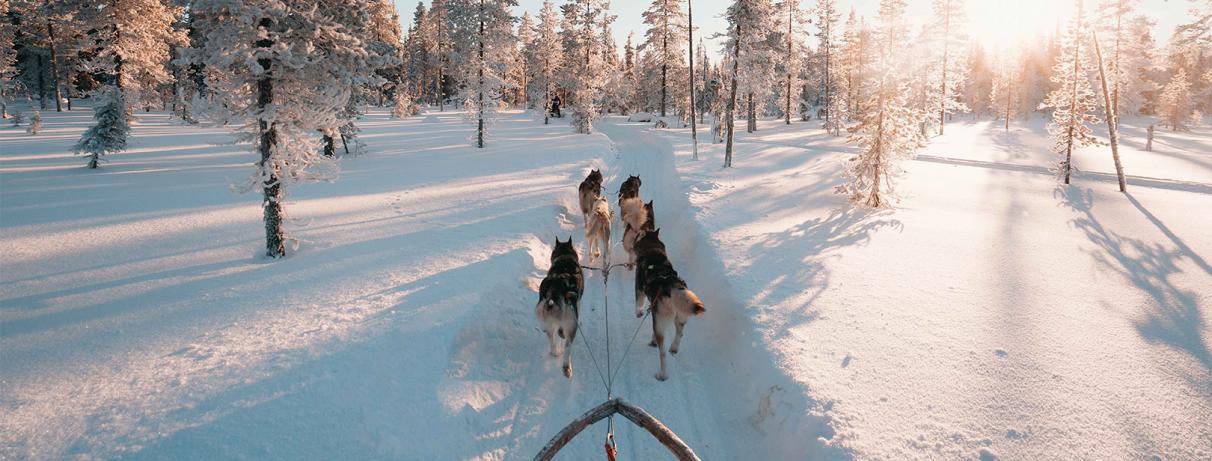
<point>108,135</point>
<point>746,46</point>
<point>789,24</point>
<point>948,27</point>
<point>549,53</point>
<point>286,69</point>
<point>665,63</point>
<point>1112,24</point>
<point>134,38</point>
<point>35,123</point>
<point>440,39</point>
<point>1137,68</point>
<point>1174,106</point>
<point>8,59</point>
<point>1004,97</point>
<point>826,22</point>
<point>485,74</point>
<point>526,57</point>
<point>585,59</point>
<point>1072,102</point>
<point>888,128</point>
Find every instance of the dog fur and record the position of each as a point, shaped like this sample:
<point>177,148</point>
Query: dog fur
<point>646,222</point>
<point>597,229</point>
<point>629,189</point>
<point>590,189</point>
<point>559,300</point>
<point>672,302</point>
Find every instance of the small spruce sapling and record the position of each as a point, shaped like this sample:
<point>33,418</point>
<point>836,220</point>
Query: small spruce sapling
<point>109,134</point>
<point>35,123</point>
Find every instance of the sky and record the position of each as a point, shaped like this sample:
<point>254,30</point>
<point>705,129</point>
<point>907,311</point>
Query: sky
<point>992,22</point>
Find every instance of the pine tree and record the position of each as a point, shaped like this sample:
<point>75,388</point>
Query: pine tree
<point>287,68</point>
<point>1004,96</point>
<point>827,18</point>
<point>548,56</point>
<point>109,134</point>
<point>8,59</point>
<point>485,74</point>
<point>585,60</point>
<point>439,54</point>
<point>790,26</point>
<point>1113,22</point>
<point>35,123</point>
<point>747,48</point>
<point>949,26</point>
<point>888,129</point>
<point>667,30</point>
<point>526,58</point>
<point>1072,102</point>
<point>1174,105</point>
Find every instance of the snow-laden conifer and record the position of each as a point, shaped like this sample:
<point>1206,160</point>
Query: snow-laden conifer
<point>108,134</point>
<point>888,128</point>
<point>285,70</point>
<point>1072,101</point>
<point>1174,106</point>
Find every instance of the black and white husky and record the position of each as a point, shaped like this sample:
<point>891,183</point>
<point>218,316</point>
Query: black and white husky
<point>590,189</point>
<point>629,189</point>
<point>559,300</point>
<point>657,282</point>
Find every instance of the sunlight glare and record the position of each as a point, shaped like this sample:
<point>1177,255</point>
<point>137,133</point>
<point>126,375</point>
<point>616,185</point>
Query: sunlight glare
<point>1015,23</point>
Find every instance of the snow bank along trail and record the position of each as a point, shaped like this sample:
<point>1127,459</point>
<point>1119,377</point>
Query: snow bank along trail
<point>991,313</point>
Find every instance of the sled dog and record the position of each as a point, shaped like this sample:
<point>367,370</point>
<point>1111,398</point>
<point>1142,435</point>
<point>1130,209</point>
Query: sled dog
<point>559,300</point>
<point>629,189</point>
<point>597,229</point>
<point>636,225</point>
<point>658,283</point>
<point>590,189</point>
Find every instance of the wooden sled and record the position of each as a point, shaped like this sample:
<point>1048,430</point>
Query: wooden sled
<point>633,413</point>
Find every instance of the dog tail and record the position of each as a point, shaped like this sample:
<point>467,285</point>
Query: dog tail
<point>688,302</point>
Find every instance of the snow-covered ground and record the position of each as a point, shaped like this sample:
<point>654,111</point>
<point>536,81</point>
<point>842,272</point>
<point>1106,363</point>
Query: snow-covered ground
<point>991,314</point>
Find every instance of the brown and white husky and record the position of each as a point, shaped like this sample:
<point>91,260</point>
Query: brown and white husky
<point>597,229</point>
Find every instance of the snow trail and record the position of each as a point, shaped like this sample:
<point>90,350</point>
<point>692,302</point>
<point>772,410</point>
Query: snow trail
<point>725,395</point>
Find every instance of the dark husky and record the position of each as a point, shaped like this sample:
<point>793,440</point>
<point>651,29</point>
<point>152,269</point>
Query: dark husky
<point>559,300</point>
<point>636,225</point>
<point>590,189</point>
<point>658,282</point>
<point>629,189</point>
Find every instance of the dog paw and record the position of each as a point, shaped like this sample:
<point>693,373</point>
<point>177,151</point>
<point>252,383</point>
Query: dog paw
<point>652,343</point>
<point>661,376</point>
<point>673,350</point>
<point>639,314</point>
<point>568,372</point>
<point>554,353</point>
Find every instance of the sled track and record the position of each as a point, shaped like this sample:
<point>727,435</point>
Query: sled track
<point>725,395</point>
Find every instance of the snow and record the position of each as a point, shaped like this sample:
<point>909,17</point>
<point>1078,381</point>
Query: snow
<point>990,315</point>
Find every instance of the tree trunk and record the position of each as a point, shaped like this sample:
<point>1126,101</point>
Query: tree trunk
<point>275,241</point>
<point>330,146</point>
<point>787,95</point>
<point>41,82</point>
<point>480,90</point>
<point>664,52</point>
<point>730,113</point>
<point>1112,118</point>
<point>942,110</point>
<point>694,132</point>
<point>50,33</point>
<point>751,124</point>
